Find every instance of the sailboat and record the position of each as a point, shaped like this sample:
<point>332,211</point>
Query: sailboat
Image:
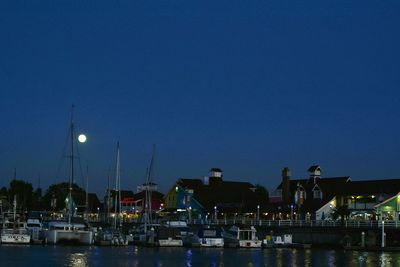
<point>69,231</point>
<point>115,236</point>
<point>145,234</point>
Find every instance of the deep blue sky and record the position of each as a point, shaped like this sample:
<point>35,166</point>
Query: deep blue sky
<point>247,86</point>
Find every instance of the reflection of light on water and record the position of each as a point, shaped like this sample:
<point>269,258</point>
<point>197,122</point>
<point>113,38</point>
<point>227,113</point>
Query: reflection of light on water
<point>136,251</point>
<point>385,259</point>
<point>189,258</point>
<point>307,257</point>
<point>293,257</point>
<point>279,257</point>
<point>331,258</point>
<point>78,260</point>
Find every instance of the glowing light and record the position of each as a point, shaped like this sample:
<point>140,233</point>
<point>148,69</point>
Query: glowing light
<point>82,138</point>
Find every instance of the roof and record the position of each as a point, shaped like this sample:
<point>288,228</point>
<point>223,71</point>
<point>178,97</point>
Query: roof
<point>215,170</point>
<point>226,195</point>
<point>142,195</point>
<point>387,186</point>
<point>386,201</point>
<point>124,193</point>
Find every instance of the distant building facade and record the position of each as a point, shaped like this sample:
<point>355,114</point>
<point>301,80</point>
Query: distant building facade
<point>212,196</point>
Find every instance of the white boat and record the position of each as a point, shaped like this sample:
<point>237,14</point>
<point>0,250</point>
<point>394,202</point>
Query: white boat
<point>169,237</point>
<point>242,237</point>
<point>282,240</point>
<point>15,233</point>
<point>68,232</point>
<point>210,237</point>
<point>115,235</point>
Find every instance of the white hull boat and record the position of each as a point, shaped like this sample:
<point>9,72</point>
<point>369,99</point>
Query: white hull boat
<point>63,232</point>
<point>15,236</point>
<point>170,242</point>
<point>242,237</point>
<point>210,237</point>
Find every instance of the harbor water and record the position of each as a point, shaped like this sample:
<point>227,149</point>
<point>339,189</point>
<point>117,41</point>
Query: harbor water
<point>37,255</point>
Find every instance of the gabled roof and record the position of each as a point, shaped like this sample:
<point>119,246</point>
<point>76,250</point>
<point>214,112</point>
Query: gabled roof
<point>386,200</point>
<point>190,183</point>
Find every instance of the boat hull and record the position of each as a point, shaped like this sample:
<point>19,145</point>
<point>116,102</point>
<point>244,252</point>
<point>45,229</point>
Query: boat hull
<point>212,242</point>
<point>170,242</point>
<point>81,237</point>
<point>15,239</point>
<point>250,243</point>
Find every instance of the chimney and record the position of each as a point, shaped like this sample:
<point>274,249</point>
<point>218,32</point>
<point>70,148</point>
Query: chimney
<point>286,185</point>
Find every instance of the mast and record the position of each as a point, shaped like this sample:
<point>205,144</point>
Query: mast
<point>117,189</point>
<point>71,177</point>
<point>87,192</point>
<point>108,199</point>
<point>148,191</point>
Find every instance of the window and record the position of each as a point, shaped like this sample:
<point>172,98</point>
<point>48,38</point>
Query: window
<point>317,194</point>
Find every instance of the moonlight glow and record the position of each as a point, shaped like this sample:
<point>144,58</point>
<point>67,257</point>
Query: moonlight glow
<point>82,138</point>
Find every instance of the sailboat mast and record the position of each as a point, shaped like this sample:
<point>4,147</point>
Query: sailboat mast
<point>108,198</point>
<point>87,192</point>
<point>148,191</point>
<point>117,189</point>
<point>71,177</point>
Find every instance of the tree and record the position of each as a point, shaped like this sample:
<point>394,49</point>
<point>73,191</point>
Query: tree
<point>341,212</point>
<point>23,191</point>
<point>58,192</point>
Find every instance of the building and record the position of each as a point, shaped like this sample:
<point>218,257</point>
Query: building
<point>214,197</point>
<point>317,197</point>
<point>302,198</point>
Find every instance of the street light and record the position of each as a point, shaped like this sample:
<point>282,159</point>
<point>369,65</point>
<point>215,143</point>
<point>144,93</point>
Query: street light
<point>215,212</point>
<point>258,212</point>
<point>98,213</point>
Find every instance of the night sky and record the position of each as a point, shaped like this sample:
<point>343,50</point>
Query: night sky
<point>246,86</point>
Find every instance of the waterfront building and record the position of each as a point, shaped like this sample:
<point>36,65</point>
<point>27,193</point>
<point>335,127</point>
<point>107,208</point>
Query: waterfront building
<point>318,197</point>
<point>214,198</point>
<point>302,198</point>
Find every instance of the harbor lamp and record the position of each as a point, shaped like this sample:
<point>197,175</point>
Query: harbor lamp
<point>383,233</point>
<point>215,212</point>
<point>258,212</point>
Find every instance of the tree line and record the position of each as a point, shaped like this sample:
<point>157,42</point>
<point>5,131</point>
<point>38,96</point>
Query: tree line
<point>29,199</point>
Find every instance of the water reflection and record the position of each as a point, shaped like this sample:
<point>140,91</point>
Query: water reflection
<point>78,260</point>
<point>307,257</point>
<point>331,258</point>
<point>189,258</point>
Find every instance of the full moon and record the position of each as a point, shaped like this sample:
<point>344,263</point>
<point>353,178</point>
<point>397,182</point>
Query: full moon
<point>82,138</point>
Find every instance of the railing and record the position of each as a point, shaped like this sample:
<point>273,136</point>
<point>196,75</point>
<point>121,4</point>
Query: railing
<point>300,223</point>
